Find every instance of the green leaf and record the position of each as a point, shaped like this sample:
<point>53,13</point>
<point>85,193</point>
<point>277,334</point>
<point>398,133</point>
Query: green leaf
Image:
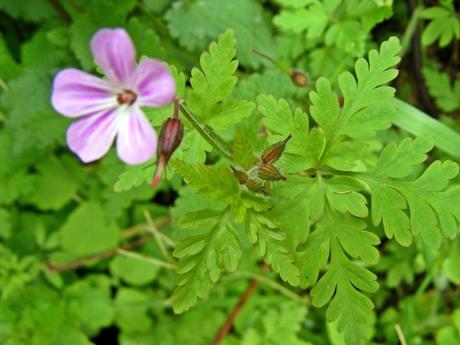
<point>342,195</point>
<point>204,256</point>
<point>132,271</point>
<point>5,223</point>
<point>444,25</point>
<point>185,21</point>
<point>280,325</point>
<point>281,122</point>
<point>243,152</point>
<point>55,184</point>
<point>217,183</point>
<point>29,10</point>
<point>272,245</point>
<point>214,84</point>
<point>451,266</point>
<point>418,123</point>
<point>445,93</point>
<point>134,176</point>
<point>400,160</point>
<point>313,19</point>
<point>89,301</point>
<point>86,231</point>
<point>270,82</point>
<point>31,121</point>
<point>131,310</point>
<point>344,282</point>
<point>431,203</point>
<point>366,107</point>
<point>8,66</point>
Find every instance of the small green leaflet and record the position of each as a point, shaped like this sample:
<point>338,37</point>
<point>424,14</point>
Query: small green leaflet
<point>444,25</point>
<point>366,108</point>
<point>185,21</point>
<point>344,281</point>
<point>445,93</point>
<point>204,255</point>
<point>211,97</point>
<point>433,206</point>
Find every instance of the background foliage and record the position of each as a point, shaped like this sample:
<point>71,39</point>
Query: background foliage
<point>361,237</point>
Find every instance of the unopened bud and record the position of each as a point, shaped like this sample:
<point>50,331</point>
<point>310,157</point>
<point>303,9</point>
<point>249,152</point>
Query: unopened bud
<point>299,78</point>
<point>270,173</point>
<point>273,152</point>
<point>171,135</point>
<point>241,176</point>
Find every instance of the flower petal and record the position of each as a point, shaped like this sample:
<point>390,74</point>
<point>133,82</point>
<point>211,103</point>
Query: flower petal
<point>77,93</point>
<point>115,54</point>
<point>154,83</point>
<point>136,140</point>
<point>91,137</point>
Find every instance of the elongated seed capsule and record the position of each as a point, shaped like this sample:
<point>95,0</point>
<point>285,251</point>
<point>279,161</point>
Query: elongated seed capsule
<point>253,185</point>
<point>241,176</point>
<point>270,173</point>
<point>170,137</point>
<point>273,152</point>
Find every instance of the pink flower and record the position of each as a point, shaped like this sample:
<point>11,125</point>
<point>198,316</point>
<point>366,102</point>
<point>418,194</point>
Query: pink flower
<point>109,108</point>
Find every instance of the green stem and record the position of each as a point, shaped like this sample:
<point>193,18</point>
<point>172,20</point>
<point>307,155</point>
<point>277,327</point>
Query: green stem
<point>149,260</point>
<point>282,67</point>
<point>211,138</point>
<point>410,30</point>
<point>270,283</point>
<point>152,228</point>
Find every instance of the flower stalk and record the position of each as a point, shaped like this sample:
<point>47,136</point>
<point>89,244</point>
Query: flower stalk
<point>208,135</point>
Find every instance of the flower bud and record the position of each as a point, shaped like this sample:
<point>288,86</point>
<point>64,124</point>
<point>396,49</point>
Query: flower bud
<point>171,135</point>
<point>273,152</point>
<point>270,173</point>
<point>299,78</point>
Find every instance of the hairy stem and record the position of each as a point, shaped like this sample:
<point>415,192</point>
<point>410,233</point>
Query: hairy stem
<point>211,138</point>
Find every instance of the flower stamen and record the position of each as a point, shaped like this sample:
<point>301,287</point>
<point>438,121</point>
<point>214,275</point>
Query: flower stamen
<point>126,97</point>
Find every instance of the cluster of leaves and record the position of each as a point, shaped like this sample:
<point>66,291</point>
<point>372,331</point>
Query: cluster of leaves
<point>349,205</point>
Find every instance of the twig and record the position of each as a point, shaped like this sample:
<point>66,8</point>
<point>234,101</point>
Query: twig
<point>143,258</point>
<point>56,4</point>
<point>139,242</point>
<point>400,334</point>
<point>154,231</point>
<point>227,326</point>
<point>94,258</point>
<point>272,284</point>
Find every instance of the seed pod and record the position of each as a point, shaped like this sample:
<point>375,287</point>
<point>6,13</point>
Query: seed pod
<point>253,185</point>
<point>170,137</point>
<point>299,78</point>
<point>273,152</point>
<point>241,176</point>
<point>270,173</point>
<point>266,188</point>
